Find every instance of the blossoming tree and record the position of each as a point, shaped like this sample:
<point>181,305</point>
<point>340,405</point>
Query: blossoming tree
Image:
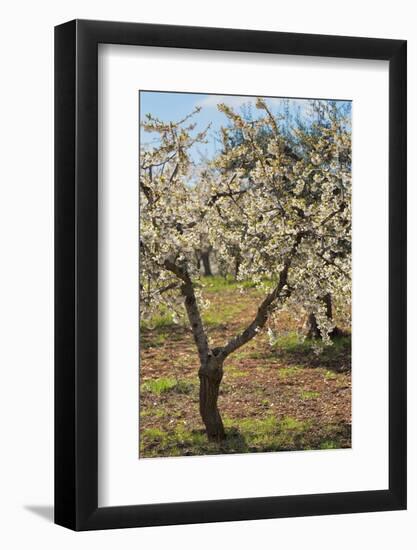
<point>283,208</point>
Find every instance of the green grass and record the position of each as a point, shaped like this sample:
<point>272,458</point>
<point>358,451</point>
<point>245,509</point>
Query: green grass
<point>178,442</point>
<point>234,371</point>
<point>288,372</point>
<point>157,341</point>
<point>244,435</point>
<point>155,412</point>
<point>163,385</point>
<point>257,355</point>
<point>268,433</point>
<point>154,434</point>
<point>292,348</point>
<point>217,283</point>
<point>305,395</point>
<point>160,320</point>
<point>330,444</point>
<point>219,316</point>
<point>292,342</point>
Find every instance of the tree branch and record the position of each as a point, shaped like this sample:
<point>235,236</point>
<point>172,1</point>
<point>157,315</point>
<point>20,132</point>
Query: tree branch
<point>333,214</point>
<point>214,198</point>
<point>266,306</point>
<point>166,288</point>
<point>333,264</point>
<point>159,164</point>
<point>191,307</point>
<point>146,190</point>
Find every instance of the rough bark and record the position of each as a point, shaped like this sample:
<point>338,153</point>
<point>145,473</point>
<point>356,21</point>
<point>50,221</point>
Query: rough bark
<point>211,361</point>
<point>211,374</point>
<point>193,313</point>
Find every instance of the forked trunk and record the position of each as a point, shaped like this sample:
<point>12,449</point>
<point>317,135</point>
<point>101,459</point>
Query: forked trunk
<point>211,374</point>
<point>211,360</point>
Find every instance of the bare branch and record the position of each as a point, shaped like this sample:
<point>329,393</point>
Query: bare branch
<point>166,288</point>
<point>190,303</point>
<point>174,173</point>
<point>159,164</point>
<point>333,214</point>
<point>333,264</point>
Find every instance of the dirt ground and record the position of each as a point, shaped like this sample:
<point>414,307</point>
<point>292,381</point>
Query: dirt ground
<point>272,398</point>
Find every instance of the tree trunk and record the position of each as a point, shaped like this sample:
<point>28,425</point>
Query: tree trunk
<point>327,299</point>
<point>211,374</point>
<point>313,330</point>
<point>237,266</point>
<point>198,260</point>
<point>205,256</point>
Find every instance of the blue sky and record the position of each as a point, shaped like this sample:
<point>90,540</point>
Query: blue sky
<point>173,106</point>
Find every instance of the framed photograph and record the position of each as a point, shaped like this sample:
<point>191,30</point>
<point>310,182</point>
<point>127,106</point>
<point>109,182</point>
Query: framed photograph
<point>230,253</point>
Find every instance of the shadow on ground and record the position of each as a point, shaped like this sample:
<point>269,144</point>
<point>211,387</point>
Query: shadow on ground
<point>45,512</point>
<point>309,353</point>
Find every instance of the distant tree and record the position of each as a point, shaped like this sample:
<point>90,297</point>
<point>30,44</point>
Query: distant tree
<point>203,257</point>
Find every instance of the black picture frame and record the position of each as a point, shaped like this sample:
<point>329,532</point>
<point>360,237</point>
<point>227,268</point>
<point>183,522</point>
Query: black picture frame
<point>76,272</point>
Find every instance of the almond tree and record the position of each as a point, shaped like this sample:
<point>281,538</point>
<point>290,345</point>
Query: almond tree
<point>287,217</point>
